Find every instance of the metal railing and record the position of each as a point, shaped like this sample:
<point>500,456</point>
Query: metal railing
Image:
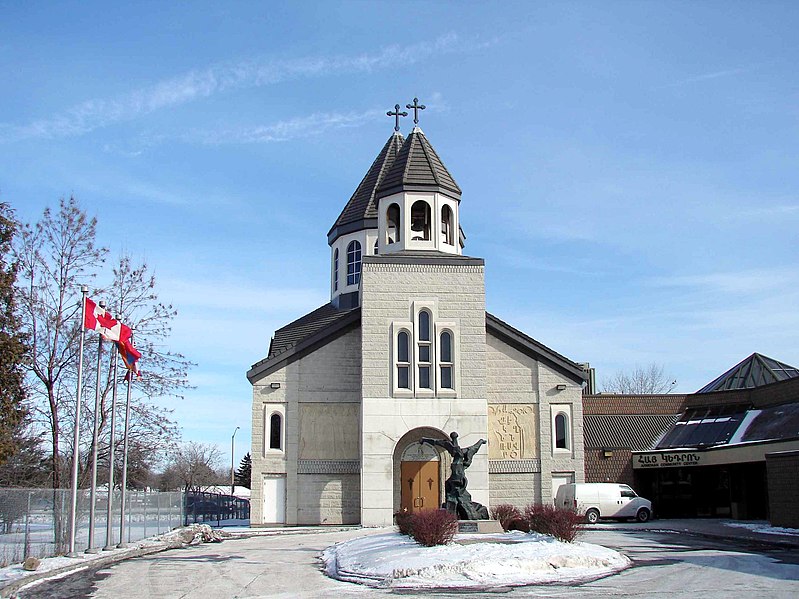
<point>35,522</point>
<point>214,508</point>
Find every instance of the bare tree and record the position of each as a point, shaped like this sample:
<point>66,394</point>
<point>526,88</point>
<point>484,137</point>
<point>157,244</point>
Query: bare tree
<point>193,466</point>
<point>642,380</point>
<point>55,257</point>
<point>133,299</point>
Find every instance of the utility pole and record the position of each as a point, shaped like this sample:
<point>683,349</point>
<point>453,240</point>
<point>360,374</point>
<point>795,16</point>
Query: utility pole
<point>232,463</point>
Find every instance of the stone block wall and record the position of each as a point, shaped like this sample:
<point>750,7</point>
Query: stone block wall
<point>783,488</point>
<point>328,499</point>
<point>517,489</point>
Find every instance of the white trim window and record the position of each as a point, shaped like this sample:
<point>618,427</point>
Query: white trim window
<point>561,429</point>
<point>446,351</point>
<point>274,428</point>
<point>353,262</point>
<point>403,362</point>
<point>335,270</point>
<point>424,349</point>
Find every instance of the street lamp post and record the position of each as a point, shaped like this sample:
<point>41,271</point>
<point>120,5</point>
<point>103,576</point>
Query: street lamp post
<point>232,471</point>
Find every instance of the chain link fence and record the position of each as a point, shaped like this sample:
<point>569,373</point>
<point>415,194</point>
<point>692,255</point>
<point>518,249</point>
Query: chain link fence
<point>35,522</point>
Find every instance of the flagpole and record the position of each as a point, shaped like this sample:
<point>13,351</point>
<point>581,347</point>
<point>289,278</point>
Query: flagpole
<point>73,507</point>
<point>109,527</point>
<point>91,548</point>
<point>129,377</point>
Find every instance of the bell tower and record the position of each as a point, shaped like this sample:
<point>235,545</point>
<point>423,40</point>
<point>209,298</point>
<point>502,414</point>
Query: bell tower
<point>417,202</point>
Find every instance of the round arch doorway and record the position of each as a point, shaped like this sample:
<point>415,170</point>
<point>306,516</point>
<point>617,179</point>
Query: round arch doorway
<point>418,468</point>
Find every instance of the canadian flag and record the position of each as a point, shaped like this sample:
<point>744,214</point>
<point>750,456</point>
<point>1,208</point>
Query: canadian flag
<point>98,319</point>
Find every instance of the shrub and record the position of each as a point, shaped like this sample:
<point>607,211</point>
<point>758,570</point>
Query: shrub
<point>404,520</point>
<point>506,514</point>
<point>434,527</point>
<point>550,520</point>
<point>519,524</point>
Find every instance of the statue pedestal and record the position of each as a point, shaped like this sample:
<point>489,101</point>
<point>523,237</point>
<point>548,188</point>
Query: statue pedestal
<point>480,527</point>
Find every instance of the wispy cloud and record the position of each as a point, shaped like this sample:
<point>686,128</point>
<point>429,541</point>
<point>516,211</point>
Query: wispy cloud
<point>198,84</point>
<point>766,212</point>
<point>708,76</point>
<point>744,281</point>
<point>306,126</point>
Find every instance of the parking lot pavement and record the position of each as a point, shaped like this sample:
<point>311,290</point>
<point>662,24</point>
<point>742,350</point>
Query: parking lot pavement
<point>667,562</point>
<point>743,531</point>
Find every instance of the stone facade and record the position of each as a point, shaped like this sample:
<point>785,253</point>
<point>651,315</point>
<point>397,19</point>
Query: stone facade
<point>309,387</point>
<point>393,292</point>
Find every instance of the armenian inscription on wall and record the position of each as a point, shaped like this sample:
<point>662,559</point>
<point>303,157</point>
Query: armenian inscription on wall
<point>512,431</point>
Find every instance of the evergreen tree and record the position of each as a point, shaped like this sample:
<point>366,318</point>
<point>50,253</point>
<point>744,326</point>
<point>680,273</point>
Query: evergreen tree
<point>12,346</point>
<point>243,476</point>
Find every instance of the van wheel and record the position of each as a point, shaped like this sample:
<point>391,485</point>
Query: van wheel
<point>592,516</point>
<point>643,515</point>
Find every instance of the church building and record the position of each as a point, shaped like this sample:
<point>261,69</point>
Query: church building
<point>405,349</point>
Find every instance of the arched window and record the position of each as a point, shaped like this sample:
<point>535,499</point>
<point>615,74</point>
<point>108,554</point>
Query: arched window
<point>445,360</point>
<point>420,221</point>
<point>425,350</point>
<point>393,224</point>
<point>403,361</point>
<point>275,431</point>
<point>561,431</point>
<point>353,263</point>
<point>335,270</point>
<point>446,226</point>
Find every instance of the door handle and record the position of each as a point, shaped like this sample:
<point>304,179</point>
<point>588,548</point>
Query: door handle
<point>418,502</point>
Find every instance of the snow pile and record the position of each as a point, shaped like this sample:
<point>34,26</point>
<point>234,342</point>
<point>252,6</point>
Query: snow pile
<point>764,528</point>
<point>510,559</point>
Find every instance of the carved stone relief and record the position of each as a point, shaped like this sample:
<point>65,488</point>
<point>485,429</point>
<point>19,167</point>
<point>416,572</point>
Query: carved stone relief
<point>512,431</point>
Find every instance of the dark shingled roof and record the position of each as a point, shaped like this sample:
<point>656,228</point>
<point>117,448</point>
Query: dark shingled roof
<point>417,168</point>
<point>362,203</point>
<point>326,322</point>
<point>637,432</point>
<point>755,371</point>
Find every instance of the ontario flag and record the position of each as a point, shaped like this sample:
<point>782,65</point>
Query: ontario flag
<point>98,319</point>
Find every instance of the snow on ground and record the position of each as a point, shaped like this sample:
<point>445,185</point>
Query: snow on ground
<point>764,528</point>
<point>174,538</point>
<point>510,559</point>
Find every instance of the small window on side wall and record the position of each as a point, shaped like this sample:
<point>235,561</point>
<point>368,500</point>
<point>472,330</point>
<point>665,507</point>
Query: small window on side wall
<point>275,431</point>
<point>561,431</point>
<point>425,348</point>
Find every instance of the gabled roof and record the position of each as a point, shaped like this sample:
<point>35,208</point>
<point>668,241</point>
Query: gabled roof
<point>530,346</point>
<point>417,168</point>
<point>319,326</point>
<point>361,206</point>
<point>327,322</point>
<point>755,371</point>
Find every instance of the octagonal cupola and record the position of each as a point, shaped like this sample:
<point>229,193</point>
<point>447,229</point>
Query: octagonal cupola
<point>355,232</point>
<point>417,202</point>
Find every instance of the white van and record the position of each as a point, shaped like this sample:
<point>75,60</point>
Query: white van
<point>603,500</point>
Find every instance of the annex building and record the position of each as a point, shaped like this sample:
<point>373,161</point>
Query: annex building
<point>405,349</point>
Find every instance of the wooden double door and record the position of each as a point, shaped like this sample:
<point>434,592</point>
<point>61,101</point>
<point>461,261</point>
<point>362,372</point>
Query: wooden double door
<point>420,486</point>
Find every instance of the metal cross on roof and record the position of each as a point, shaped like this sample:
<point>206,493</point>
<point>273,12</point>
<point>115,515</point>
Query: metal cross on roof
<point>397,114</point>
<point>416,108</point>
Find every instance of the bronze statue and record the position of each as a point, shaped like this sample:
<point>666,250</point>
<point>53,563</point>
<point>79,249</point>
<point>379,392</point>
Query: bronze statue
<point>457,498</point>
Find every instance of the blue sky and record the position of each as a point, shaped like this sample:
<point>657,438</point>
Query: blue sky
<point>629,170</point>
